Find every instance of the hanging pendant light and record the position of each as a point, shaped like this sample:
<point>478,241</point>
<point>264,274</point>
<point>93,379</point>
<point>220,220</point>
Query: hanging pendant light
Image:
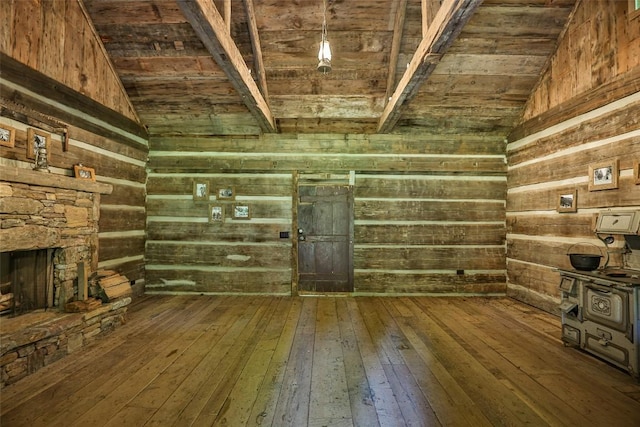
<point>324,54</point>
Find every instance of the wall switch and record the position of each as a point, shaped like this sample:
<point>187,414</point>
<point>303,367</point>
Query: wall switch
<point>284,234</point>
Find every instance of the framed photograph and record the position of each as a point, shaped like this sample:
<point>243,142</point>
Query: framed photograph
<point>636,171</point>
<point>241,212</point>
<point>37,140</point>
<point>83,172</point>
<point>216,213</point>
<point>567,202</point>
<point>603,175</point>
<point>7,136</point>
<point>227,193</point>
<point>200,190</point>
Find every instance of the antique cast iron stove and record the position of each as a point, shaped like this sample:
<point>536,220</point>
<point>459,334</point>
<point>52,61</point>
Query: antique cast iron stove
<point>600,309</point>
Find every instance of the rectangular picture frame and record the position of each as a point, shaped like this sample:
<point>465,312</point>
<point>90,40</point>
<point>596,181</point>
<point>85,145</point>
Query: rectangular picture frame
<point>216,213</point>
<point>7,136</point>
<point>241,212</point>
<point>201,190</point>
<point>226,193</point>
<point>37,138</point>
<point>604,175</point>
<point>83,172</point>
<point>636,171</point>
<point>568,201</point>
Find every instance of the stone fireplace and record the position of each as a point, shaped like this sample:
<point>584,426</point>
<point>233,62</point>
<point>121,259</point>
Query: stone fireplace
<point>51,221</point>
<point>48,247</point>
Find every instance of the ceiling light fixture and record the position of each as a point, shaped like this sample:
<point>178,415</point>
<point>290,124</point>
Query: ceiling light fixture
<point>324,54</point>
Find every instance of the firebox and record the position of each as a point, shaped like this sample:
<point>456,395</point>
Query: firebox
<point>26,280</point>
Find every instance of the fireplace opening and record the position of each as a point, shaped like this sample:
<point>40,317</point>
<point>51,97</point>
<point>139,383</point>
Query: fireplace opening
<point>26,281</point>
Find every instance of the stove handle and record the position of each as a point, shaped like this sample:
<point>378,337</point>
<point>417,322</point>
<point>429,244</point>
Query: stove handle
<point>598,290</point>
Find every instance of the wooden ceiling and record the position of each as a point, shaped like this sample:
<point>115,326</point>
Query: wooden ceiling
<point>203,67</point>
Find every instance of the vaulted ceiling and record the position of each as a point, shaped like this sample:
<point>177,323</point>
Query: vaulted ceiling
<point>203,67</point>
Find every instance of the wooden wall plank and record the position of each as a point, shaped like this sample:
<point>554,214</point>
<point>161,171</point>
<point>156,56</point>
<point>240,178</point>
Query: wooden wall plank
<point>447,233</point>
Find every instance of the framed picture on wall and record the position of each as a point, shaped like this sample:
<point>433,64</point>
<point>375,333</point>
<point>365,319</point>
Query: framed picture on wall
<point>7,136</point>
<point>226,193</point>
<point>36,141</point>
<point>200,190</point>
<point>636,171</point>
<point>216,213</point>
<point>567,202</point>
<point>603,175</point>
<point>83,172</point>
<point>241,212</point>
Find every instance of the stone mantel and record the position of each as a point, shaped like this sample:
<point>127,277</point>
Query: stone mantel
<point>27,176</point>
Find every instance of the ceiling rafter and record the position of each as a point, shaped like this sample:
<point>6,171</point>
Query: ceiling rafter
<point>258,64</point>
<point>398,28</point>
<point>212,31</point>
<point>447,24</point>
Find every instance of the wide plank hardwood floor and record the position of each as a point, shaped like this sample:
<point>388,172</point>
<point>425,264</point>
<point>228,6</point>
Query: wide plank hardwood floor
<point>364,361</point>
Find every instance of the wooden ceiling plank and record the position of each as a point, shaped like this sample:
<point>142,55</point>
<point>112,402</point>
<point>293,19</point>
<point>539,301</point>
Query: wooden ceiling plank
<point>446,26</point>
<point>210,27</point>
<point>398,28</point>
<point>258,64</point>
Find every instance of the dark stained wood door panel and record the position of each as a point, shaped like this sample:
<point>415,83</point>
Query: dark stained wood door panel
<point>325,238</point>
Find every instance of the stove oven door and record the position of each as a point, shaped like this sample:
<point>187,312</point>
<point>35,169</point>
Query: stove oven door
<point>607,306</point>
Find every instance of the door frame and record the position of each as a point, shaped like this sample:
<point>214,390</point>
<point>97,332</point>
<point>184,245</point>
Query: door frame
<point>327,179</point>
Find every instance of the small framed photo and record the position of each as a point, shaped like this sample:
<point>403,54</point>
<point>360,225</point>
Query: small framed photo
<point>37,140</point>
<point>636,171</point>
<point>216,213</point>
<point>227,193</point>
<point>83,172</point>
<point>567,202</point>
<point>603,175</point>
<point>200,190</point>
<point>241,212</point>
<point>7,136</point>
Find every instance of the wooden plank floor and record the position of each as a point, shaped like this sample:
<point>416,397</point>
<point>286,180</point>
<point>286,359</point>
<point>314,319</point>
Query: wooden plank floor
<point>277,361</point>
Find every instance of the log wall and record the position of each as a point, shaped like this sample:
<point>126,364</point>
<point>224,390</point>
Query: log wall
<point>429,211</point>
<point>56,38</point>
<point>56,78</point>
<point>581,114</point>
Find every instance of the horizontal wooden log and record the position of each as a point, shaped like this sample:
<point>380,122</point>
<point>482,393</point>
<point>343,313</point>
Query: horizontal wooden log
<point>117,247</point>
<point>250,185</point>
<point>200,209</point>
<point>547,198</point>
<point>607,125</point>
<point>429,258</point>
<point>128,195</point>
<point>323,143</point>
<point>567,225</point>
<point>119,219</point>
<point>389,283</point>
<point>221,255</point>
<point>289,162</point>
<point>428,210</point>
<point>550,253</point>
<point>245,231</point>
<point>430,234</point>
<point>436,187</point>
<point>225,281</point>
<point>535,278</point>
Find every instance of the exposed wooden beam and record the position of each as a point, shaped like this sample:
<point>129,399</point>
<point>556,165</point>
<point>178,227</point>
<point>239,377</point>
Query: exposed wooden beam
<point>227,15</point>
<point>445,28</point>
<point>210,27</point>
<point>398,27</point>
<point>258,65</point>
<point>429,10</point>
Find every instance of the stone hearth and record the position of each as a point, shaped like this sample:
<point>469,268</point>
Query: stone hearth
<point>40,210</point>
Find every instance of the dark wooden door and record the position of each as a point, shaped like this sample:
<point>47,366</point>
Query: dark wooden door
<point>325,238</point>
